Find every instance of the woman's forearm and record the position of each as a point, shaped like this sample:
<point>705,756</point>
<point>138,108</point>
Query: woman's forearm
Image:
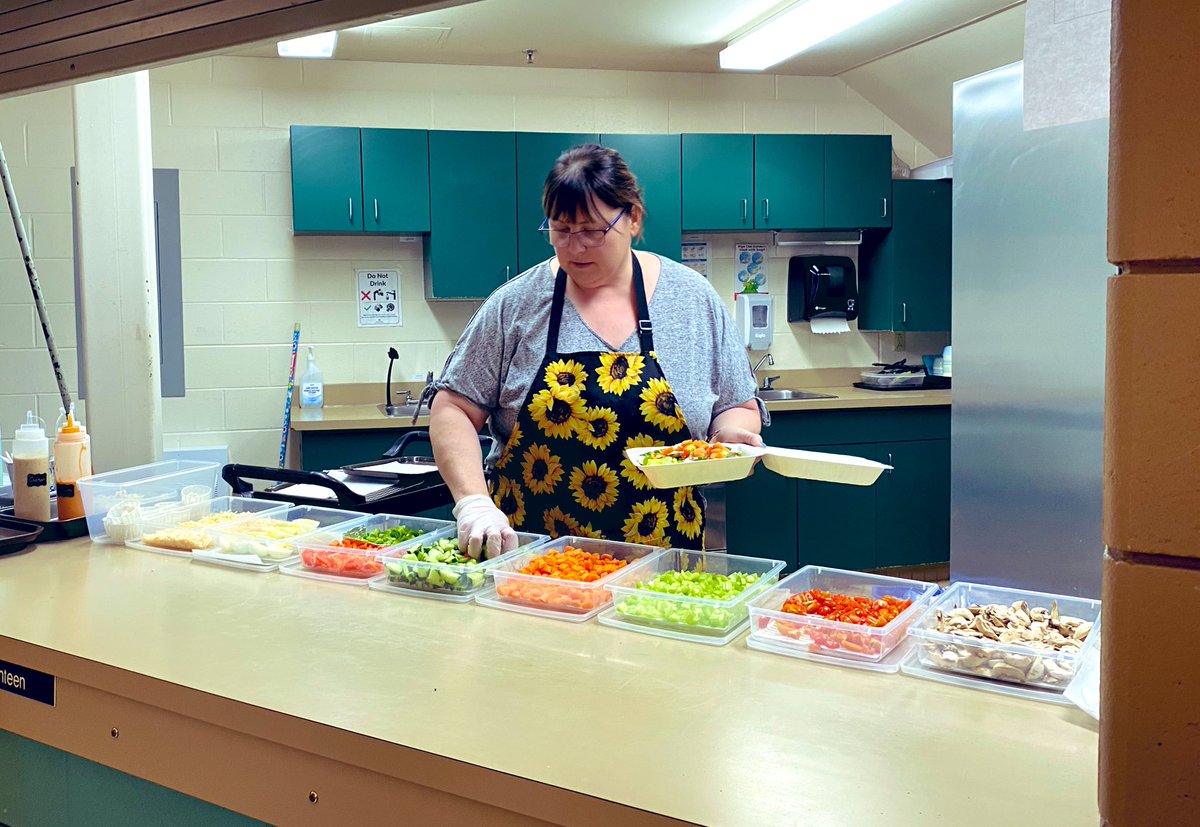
<point>744,417</point>
<point>455,439</point>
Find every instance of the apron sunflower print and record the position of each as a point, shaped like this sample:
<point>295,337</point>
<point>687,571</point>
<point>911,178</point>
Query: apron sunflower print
<point>563,470</point>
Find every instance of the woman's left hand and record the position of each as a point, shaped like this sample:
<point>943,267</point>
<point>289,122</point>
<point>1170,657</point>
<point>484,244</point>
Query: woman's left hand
<point>732,435</point>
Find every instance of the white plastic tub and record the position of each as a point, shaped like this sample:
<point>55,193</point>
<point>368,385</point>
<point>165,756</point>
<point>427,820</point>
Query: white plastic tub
<point>115,500</point>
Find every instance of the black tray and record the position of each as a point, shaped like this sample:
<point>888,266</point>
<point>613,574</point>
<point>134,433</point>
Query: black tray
<point>941,383</point>
<point>17,534</point>
<point>53,531</point>
<point>367,470</point>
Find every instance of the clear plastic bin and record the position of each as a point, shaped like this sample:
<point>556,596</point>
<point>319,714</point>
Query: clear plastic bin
<point>444,578</point>
<point>682,613</point>
<point>114,500</point>
<point>570,596</point>
<point>986,658</point>
<point>278,538</point>
<point>873,379</point>
<point>852,641</point>
<point>319,552</point>
<point>186,528</point>
<point>385,522</point>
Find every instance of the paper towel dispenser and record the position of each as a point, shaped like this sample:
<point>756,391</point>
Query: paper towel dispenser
<point>822,287</point>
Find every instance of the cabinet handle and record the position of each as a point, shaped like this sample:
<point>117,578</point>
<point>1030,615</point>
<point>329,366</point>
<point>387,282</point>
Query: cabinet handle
<point>885,206</point>
<point>507,272</point>
<point>904,312</point>
<point>744,205</point>
<point>889,462</point>
<point>350,204</point>
<point>766,210</point>
<point>376,200</point>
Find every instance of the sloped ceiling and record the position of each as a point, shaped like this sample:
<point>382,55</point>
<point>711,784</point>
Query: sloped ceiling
<point>914,86</point>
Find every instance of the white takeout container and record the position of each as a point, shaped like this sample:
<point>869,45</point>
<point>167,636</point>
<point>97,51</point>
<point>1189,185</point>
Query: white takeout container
<point>695,472</point>
<point>822,467</point>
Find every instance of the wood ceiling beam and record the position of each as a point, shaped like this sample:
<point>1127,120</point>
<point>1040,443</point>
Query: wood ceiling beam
<point>59,42</point>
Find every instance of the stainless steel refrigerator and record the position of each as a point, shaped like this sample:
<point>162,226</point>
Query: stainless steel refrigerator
<point>1030,218</point>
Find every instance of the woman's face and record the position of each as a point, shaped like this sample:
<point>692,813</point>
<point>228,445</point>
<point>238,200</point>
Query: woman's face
<point>593,266</point>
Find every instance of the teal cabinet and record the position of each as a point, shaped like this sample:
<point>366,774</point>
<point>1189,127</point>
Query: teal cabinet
<point>789,182</point>
<point>904,275</point>
<point>395,180</point>
<point>858,181</point>
<point>718,182</point>
<point>913,503</point>
<point>326,179</point>
<point>656,161</point>
<point>836,524</point>
<point>536,154</point>
<point>472,245</point>
<point>755,531</point>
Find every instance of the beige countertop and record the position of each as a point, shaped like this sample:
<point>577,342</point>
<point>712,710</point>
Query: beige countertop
<point>712,735</point>
<point>353,409</point>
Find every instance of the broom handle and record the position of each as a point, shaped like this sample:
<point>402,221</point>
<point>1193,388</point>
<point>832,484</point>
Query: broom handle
<point>287,404</point>
<point>34,284</point>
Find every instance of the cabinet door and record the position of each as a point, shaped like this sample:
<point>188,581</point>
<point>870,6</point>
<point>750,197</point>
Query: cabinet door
<point>858,181</point>
<point>326,179</point>
<point>760,517</point>
<point>395,174</point>
<point>536,154</point>
<point>789,182</point>
<point>472,246</point>
<point>913,503</point>
<point>718,182</point>
<point>921,258</point>
<point>655,160</point>
<point>836,523</point>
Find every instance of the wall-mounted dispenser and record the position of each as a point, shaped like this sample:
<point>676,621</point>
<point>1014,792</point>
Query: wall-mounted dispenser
<point>753,313</point>
<point>822,287</point>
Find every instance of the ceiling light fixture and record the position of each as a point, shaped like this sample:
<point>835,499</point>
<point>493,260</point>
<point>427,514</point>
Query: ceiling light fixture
<point>796,29</point>
<point>313,45</point>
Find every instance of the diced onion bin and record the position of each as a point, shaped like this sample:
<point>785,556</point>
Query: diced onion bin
<point>114,502</point>
<point>275,538</point>
<point>704,592</point>
<point>345,551</point>
<point>570,574</point>
<point>189,527</point>
<point>438,564</point>
<point>841,613</point>
<point>1008,635</point>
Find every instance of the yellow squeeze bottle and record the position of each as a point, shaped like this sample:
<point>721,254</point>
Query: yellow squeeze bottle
<point>72,461</point>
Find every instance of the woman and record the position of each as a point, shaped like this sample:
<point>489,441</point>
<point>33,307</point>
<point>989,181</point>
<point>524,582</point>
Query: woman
<point>598,349</point>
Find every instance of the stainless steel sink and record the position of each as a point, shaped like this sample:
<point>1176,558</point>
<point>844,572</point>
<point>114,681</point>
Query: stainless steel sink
<point>786,394</point>
<point>399,411</point>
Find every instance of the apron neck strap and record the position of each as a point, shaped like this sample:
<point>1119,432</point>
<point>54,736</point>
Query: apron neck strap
<point>645,329</point>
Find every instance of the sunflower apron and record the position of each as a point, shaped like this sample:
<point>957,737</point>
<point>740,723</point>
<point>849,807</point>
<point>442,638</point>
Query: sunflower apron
<point>564,471</point>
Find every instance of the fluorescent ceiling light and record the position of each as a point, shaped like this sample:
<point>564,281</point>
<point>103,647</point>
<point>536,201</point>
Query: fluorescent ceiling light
<point>314,45</point>
<point>796,29</point>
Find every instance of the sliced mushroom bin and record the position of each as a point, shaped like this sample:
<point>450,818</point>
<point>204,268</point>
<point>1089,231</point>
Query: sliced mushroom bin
<point>983,626</point>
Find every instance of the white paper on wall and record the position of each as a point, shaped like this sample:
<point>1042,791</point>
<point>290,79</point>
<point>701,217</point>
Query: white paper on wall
<point>751,267</point>
<point>1066,61</point>
<point>378,298</point>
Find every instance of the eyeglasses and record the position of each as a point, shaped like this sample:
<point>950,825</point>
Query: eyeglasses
<point>588,238</point>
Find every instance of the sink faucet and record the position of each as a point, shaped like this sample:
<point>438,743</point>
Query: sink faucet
<point>426,396</point>
<point>769,380</point>
<point>390,409</point>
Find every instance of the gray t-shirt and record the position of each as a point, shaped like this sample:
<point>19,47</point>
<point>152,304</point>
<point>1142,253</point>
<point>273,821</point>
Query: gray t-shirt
<point>498,356</point>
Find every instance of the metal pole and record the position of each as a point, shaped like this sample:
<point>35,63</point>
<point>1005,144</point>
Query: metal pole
<point>34,285</point>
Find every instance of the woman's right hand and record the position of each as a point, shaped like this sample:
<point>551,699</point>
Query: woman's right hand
<point>482,525</point>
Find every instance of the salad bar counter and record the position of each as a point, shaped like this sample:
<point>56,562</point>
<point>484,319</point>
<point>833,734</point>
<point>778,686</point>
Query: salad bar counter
<point>350,705</point>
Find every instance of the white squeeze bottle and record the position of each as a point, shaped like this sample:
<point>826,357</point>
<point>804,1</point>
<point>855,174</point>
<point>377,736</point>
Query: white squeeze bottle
<point>312,385</point>
<point>31,472</point>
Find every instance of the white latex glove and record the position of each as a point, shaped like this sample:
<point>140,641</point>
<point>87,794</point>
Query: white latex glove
<point>481,524</point>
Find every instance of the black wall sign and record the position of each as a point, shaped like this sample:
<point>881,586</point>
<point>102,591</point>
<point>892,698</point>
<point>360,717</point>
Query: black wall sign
<point>26,682</point>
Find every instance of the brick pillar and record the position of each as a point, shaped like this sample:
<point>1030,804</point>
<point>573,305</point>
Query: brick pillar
<point>1150,718</point>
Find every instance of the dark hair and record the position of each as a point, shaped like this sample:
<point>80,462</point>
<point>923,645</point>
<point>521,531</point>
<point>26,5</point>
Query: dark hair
<point>586,174</point>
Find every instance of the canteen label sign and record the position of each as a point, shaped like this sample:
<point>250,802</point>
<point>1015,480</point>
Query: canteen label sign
<point>26,682</point>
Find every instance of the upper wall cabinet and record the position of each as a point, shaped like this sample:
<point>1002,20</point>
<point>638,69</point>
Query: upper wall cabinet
<point>858,181</point>
<point>786,182</point>
<point>348,180</point>
<point>904,279</point>
<point>536,154</point>
<point>472,245</point>
<point>655,161</point>
<point>326,179</point>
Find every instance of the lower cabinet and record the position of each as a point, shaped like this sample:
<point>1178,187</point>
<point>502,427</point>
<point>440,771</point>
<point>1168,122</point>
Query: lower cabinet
<point>902,520</point>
